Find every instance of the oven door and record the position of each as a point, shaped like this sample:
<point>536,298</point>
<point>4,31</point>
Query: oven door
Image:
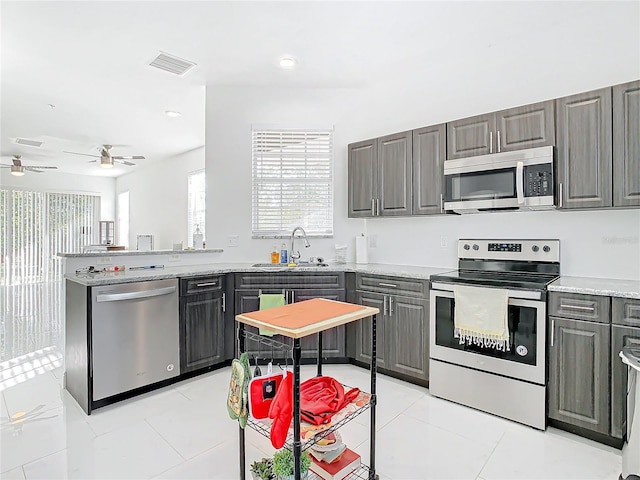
<point>526,358</point>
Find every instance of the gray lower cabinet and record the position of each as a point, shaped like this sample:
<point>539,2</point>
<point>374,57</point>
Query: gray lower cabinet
<point>202,322</point>
<point>579,373</point>
<point>429,154</point>
<point>296,287</point>
<point>625,331</point>
<point>626,145</point>
<point>584,135</point>
<point>380,176</point>
<point>527,126</point>
<point>402,326</point>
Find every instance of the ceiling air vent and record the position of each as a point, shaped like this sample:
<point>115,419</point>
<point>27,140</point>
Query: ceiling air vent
<point>26,141</point>
<point>172,64</point>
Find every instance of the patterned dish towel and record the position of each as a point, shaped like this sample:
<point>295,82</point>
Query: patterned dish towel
<point>481,316</point>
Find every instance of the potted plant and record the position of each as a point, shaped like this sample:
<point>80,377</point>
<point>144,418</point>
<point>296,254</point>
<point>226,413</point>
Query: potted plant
<point>283,464</point>
<point>261,470</point>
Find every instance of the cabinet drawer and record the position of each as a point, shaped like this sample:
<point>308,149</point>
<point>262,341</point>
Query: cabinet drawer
<point>190,286</point>
<point>593,308</point>
<point>626,311</point>
<point>393,285</point>
<point>290,280</point>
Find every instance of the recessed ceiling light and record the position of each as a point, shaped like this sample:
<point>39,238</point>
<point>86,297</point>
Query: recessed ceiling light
<point>172,113</point>
<point>288,62</point>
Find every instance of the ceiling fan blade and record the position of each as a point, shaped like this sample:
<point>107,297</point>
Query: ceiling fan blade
<point>5,166</point>
<point>85,154</point>
<point>122,161</point>
<point>40,166</point>
<point>130,157</point>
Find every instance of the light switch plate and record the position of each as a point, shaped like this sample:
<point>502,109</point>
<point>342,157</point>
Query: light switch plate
<point>373,241</point>
<point>233,241</point>
<point>443,242</point>
<point>174,258</point>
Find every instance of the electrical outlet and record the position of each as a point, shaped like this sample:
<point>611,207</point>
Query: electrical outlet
<point>174,258</point>
<point>443,242</point>
<point>373,241</point>
<point>104,260</point>
<point>233,241</point>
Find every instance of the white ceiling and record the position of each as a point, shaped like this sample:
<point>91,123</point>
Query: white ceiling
<point>90,59</point>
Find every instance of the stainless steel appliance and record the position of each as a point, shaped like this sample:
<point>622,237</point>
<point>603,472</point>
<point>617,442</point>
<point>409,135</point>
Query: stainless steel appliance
<point>631,448</point>
<point>521,180</point>
<point>510,383</point>
<point>135,339</point>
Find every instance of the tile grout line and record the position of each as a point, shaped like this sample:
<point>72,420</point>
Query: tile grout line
<point>491,454</point>
<point>167,442</point>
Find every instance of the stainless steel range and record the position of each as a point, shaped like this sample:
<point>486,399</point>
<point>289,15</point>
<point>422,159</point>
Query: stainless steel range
<point>503,374</point>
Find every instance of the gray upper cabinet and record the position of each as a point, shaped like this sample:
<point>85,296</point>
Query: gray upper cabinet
<point>470,136</point>
<point>363,178</point>
<point>626,145</point>
<point>394,174</point>
<point>584,134</point>
<point>380,176</point>
<point>528,126</point>
<point>579,373</point>
<point>429,153</point>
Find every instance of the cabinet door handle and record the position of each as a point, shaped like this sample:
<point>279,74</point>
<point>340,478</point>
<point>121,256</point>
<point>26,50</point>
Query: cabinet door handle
<point>390,305</point>
<point>498,142</point>
<point>441,203</point>
<point>207,284</point>
<point>490,142</point>
<point>391,285</point>
<point>578,307</point>
<point>560,199</point>
<point>384,305</point>
<point>224,302</point>
<point>373,207</point>
<point>553,330</point>
<point>293,296</point>
<point>377,207</point>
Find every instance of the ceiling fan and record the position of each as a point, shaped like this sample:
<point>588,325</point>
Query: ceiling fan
<point>107,160</point>
<point>18,169</point>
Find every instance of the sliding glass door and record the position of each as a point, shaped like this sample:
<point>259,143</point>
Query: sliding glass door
<point>35,226</point>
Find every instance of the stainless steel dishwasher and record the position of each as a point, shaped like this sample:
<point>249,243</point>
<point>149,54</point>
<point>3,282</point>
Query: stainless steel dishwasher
<point>135,335</point>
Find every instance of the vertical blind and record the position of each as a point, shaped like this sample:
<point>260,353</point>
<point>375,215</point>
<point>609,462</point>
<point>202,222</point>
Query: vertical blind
<point>196,197</point>
<point>292,182</point>
<point>38,225</point>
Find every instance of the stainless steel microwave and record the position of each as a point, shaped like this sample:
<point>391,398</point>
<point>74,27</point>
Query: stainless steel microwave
<point>520,180</point>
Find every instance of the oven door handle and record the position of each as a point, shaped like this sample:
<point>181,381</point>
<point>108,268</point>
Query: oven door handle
<point>520,182</point>
<point>512,294</point>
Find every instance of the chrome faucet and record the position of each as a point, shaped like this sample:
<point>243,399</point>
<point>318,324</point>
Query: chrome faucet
<point>295,256</point>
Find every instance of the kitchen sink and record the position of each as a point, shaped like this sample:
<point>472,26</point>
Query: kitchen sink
<point>282,265</point>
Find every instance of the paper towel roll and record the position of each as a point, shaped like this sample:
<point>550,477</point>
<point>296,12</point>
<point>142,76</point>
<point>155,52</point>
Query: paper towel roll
<point>362,249</point>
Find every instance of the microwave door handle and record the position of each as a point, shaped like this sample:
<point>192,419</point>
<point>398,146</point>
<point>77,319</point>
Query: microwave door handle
<point>520,182</point>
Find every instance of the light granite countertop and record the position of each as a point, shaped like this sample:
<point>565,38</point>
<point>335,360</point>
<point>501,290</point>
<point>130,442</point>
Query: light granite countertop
<point>124,253</point>
<point>606,287</point>
<point>128,276</point>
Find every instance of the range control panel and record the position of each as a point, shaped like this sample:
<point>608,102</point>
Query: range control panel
<point>547,250</point>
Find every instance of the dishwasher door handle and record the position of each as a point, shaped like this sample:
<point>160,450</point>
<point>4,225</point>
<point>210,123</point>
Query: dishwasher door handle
<point>114,297</point>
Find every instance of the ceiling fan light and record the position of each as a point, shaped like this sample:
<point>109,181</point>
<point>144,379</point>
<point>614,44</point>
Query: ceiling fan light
<point>106,162</point>
<point>172,113</point>
<point>288,62</point>
<point>17,170</point>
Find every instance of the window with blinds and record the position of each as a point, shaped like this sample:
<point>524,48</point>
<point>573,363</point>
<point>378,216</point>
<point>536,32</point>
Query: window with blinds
<point>292,182</point>
<point>197,207</point>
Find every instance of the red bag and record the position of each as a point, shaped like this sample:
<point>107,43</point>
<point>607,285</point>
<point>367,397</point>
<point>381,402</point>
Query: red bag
<point>262,391</point>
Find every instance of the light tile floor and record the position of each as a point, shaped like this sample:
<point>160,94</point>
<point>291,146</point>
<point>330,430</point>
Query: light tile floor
<point>183,431</point>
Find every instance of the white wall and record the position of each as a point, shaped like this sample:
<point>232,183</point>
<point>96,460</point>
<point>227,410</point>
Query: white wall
<point>158,199</point>
<point>67,183</point>
<point>600,50</point>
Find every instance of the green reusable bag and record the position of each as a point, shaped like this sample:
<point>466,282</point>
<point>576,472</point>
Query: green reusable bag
<point>238,398</point>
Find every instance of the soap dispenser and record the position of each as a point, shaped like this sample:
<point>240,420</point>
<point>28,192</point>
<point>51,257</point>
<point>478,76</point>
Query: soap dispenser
<point>283,254</point>
<point>197,238</point>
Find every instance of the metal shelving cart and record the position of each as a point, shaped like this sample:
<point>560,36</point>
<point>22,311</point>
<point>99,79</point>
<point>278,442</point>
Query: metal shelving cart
<point>296,321</point>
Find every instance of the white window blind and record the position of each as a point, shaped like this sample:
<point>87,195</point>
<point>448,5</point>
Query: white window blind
<point>35,226</point>
<point>196,197</point>
<point>292,182</point>
<point>123,219</point>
